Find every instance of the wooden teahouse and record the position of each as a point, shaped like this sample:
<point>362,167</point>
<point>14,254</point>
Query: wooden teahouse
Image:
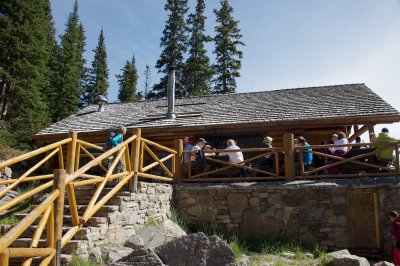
<point>313,112</point>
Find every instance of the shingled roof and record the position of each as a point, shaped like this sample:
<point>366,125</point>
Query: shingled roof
<point>339,101</point>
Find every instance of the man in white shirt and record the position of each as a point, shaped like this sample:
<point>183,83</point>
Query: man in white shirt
<point>198,147</point>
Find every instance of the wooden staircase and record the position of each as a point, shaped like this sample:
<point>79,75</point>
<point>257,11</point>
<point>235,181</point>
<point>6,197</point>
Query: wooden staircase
<point>83,237</point>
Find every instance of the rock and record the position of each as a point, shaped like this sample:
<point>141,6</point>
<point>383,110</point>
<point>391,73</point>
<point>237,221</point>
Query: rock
<point>344,258</point>
<point>288,255</point>
<point>383,263</point>
<point>154,236</point>
<point>243,261</point>
<point>197,250</point>
<point>143,256</point>
<point>117,254</point>
<point>134,242</point>
<point>8,172</point>
<point>95,254</point>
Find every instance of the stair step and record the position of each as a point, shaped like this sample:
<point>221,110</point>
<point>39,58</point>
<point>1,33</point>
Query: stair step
<point>25,242</point>
<point>31,230</point>
<point>103,211</point>
<point>93,221</point>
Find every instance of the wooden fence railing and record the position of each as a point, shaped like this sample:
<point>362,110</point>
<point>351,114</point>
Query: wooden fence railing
<point>360,160</point>
<point>99,169</point>
<point>250,169</point>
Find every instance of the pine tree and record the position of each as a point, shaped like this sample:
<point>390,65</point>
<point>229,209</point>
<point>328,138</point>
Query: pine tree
<point>174,43</point>
<point>127,82</point>
<point>98,74</point>
<point>71,74</point>
<point>25,51</point>
<point>198,72</point>
<point>228,57</point>
<point>147,81</point>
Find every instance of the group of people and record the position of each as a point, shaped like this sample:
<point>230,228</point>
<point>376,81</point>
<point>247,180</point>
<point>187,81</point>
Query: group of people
<point>339,149</point>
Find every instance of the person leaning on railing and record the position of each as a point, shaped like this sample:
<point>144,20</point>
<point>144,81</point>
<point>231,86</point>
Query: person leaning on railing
<point>115,140</point>
<point>387,153</point>
<point>307,155</point>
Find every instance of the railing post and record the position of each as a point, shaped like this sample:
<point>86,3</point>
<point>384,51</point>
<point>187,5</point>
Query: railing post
<point>135,159</point>
<point>58,183</point>
<point>370,131</point>
<point>179,162</point>
<point>4,258</point>
<point>288,146</point>
<point>71,152</point>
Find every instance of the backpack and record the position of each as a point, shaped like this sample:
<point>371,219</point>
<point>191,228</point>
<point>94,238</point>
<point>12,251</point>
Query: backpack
<point>109,144</point>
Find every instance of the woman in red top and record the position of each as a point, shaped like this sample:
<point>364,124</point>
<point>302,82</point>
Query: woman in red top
<point>393,217</point>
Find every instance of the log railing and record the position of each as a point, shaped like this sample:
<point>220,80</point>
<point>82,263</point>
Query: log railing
<point>99,171</point>
<point>365,163</point>
<point>252,165</point>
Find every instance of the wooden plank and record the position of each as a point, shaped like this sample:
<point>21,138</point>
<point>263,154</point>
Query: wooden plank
<point>33,153</point>
<point>31,178</point>
<point>59,185</point>
<point>4,258</point>
<point>288,143</point>
<point>234,180</point>
<point>358,133</point>
<point>155,177</point>
<point>30,252</point>
<point>152,165</point>
<point>92,157</point>
<point>148,142</point>
<point>27,173</point>
<point>137,159</point>
<point>343,176</point>
<point>7,205</point>
<point>152,154</point>
<point>71,152</point>
<point>179,161</point>
<point>19,228</point>
<point>60,158</point>
<point>90,145</point>
<point>72,203</point>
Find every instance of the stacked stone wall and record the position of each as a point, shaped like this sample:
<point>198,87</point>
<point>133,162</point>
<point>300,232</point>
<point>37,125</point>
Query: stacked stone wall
<point>311,211</point>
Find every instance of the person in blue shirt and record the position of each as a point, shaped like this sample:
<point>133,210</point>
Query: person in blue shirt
<point>307,155</point>
<point>119,138</point>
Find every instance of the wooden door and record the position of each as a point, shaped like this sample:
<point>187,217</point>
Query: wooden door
<point>363,221</point>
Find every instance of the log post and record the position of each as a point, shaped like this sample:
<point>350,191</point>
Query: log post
<point>4,258</point>
<point>71,152</point>
<point>179,161</point>
<point>135,159</point>
<point>371,130</point>
<point>58,183</point>
<point>288,147</point>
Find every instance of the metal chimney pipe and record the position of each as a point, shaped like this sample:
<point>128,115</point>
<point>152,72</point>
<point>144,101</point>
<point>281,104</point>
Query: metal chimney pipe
<point>171,93</point>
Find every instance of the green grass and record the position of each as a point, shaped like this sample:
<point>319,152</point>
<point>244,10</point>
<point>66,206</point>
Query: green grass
<point>152,222</point>
<point>10,218</point>
<point>79,261</point>
<point>181,221</point>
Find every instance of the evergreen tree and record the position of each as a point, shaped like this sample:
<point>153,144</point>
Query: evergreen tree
<point>174,43</point>
<point>228,57</point>
<point>127,82</point>
<point>98,74</point>
<point>25,51</point>
<point>71,68</point>
<point>198,72</point>
<point>147,81</point>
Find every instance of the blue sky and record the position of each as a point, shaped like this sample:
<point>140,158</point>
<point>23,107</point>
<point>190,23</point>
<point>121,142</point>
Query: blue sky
<point>289,43</point>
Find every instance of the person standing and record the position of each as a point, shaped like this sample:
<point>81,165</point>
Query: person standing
<point>186,147</point>
<point>387,153</point>
<point>393,217</point>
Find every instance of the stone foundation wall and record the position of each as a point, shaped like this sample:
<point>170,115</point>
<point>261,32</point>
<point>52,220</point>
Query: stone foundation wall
<point>123,215</point>
<point>312,211</point>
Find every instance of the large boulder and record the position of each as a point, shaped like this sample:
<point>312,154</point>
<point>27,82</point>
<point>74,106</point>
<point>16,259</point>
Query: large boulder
<point>115,254</point>
<point>197,250</point>
<point>154,236</point>
<point>139,257</point>
<point>383,263</point>
<point>344,258</point>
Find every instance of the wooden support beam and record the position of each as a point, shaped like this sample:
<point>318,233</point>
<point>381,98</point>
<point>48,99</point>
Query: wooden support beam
<point>71,152</point>
<point>4,258</point>
<point>288,147</point>
<point>371,133</point>
<point>136,157</point>
<point>358,133</point>
<point>59,184</point>
<point>179,162</point>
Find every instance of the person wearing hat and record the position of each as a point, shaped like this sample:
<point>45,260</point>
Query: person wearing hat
<point>384,154</point>
<point>198,147</point>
